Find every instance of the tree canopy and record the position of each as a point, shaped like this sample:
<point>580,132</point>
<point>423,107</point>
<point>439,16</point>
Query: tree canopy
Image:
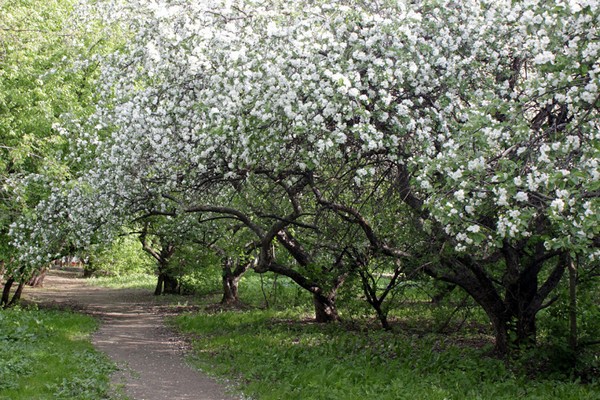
<point>458,138</point>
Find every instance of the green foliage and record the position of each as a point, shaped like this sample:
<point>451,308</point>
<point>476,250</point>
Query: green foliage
<point>555,355</point>
<point>273,291</point>
<point>201,282</point>
<point>124,256</point>
<point>39,45</point>
<point>199,269</point>
<point>47,355</point>
<point>274,356</point>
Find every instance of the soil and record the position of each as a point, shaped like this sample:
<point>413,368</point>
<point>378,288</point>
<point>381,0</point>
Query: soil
<point>150,356</point>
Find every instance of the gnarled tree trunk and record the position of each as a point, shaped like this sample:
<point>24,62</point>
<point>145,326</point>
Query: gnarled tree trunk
<point>6,301</point>
<point>231,278</point>
<point>171,284</point>
<point>6,291</point>
<point>17,295</point>
<point>524,297</point>
<point>166,284</point>
<point>325,309</point>
<point>230,289</point>
<point>159,285</point>
<point>37,280</point>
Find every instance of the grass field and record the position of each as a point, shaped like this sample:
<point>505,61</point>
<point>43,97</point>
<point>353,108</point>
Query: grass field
<point>273,350</point>
<point>47,354</point>
<point>279,353</point>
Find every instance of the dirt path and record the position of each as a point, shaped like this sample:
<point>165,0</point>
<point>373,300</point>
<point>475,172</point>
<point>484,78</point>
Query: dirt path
<point>133,334</point>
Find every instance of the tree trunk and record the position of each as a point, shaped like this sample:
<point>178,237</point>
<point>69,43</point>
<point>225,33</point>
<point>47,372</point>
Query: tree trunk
<point>17,296</point>
<point>526,330</point>
<point>501,346</point>
<point>523,298</point>
<point>171,284</point>
<point>325,310</point>
<point>6,291</point>
<point>159,285</point>
<point>88,269</point>
<point>230,282</point>
<point>519,299</point>
<point>382,317</point>
<point>572,306</point>
<point>166,284</point>
<point>230,289</point>
<point>231,279</point>
<point>37,280</point>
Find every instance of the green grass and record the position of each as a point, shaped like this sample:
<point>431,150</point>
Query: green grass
<point>274,351</point>
<point>268,289</point>
<point>277,355</point>
<point>137,280</point>
<point>46,354</point>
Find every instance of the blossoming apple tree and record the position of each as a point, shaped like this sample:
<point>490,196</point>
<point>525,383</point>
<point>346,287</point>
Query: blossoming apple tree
<point>38,83</point>
<point>482,116</point>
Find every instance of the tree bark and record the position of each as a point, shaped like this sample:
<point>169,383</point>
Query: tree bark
<point>523,297</point>
<point>230,282</point>
<point>572,306</point>
<point>325,310</point>
<point>171,284</point>
<point>370,292</point>
<point>159,285</point>
<point>382,316</point>
<point>230,290</point>
<point>166,284</point>
<point>17,296</point>
<point>6,291</point>
<point>37,280</point>
<point>526,330</point>
<point>231,279</point>
<point>500,326</point>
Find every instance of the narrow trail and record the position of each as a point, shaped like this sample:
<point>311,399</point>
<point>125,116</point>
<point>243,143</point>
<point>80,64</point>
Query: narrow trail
<point>134,335</point>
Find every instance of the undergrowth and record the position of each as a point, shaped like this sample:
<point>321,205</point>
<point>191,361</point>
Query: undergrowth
<point>273,350</point>
<point>275,355</point>
<point>46,354</point>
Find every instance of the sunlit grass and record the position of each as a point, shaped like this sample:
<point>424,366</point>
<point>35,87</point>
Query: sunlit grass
<point>138,280</point>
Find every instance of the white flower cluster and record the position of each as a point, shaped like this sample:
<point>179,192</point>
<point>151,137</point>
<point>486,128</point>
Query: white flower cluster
<point>482,101</point>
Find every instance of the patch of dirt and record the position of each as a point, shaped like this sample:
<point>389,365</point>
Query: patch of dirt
<point>133,333</point>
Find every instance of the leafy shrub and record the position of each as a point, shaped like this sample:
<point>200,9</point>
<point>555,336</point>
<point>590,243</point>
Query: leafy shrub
<point>123,256</point>
<point>201,282</point>
<point>272,291</point>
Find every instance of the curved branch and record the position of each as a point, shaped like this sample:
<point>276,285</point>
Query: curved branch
<point>372,237</point>
<point>245,219</point>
